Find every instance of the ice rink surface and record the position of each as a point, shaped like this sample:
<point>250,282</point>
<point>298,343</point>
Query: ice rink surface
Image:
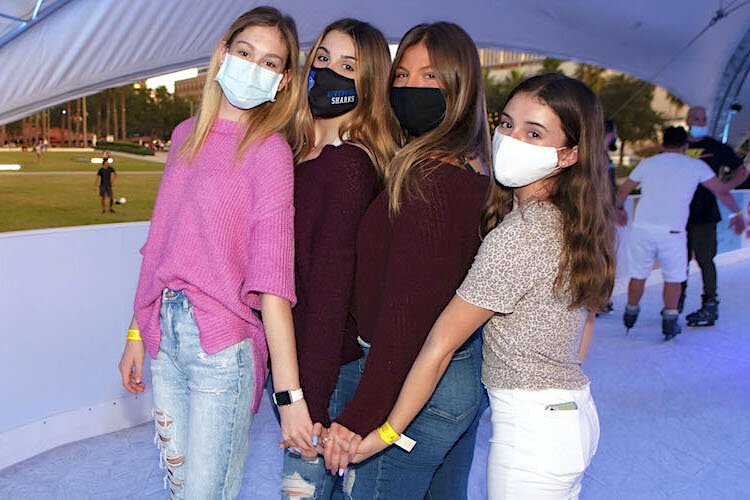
<point>675,419</point>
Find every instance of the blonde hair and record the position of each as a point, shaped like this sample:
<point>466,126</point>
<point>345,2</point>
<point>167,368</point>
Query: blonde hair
<point>372,124</point>
<point>261,121</point>
<point>464,132</point>
<point>580,192</point>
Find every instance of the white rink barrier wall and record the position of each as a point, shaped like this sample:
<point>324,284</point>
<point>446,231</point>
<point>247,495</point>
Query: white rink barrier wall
<point>66,299</point>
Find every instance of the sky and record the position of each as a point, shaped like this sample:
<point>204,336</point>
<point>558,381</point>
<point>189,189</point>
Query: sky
<point>169,79</point>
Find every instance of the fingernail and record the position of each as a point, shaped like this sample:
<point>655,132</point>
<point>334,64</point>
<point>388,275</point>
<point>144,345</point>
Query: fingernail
<point>137,381</point>
<point>341,472</point>
<point>315,440</point>
<point>297,450</point>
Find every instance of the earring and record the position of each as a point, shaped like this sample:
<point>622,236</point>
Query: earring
<point>564,164</point>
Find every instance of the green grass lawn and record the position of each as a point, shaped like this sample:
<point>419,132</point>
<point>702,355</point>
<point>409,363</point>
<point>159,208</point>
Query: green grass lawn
<point>43,201</point>
<point>57,161</point>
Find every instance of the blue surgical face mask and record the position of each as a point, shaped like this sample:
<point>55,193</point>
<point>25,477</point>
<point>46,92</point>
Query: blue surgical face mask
<point>245,84</point>
<point>697,131</point>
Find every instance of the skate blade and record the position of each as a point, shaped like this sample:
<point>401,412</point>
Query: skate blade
<point>701,324</point>
<point>670,336</point>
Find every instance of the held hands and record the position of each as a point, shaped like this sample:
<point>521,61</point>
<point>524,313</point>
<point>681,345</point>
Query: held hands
<point>341,445</point>
<point>131,366</point>
<point>297,429</point>
<point>369,446</point>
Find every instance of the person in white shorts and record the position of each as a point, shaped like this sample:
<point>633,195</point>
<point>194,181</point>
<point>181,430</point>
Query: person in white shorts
<point>668,182</point>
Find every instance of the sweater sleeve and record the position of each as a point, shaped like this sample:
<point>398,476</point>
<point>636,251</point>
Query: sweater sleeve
<point>270,242</point>
<point>328,288</point>
<point>424,268</point>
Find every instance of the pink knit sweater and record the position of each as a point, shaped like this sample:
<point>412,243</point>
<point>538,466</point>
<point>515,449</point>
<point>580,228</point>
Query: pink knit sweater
<point>223,233</point>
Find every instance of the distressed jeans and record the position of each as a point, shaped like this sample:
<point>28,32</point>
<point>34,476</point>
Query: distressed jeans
<point>201,406</point>
<point>308,478</point>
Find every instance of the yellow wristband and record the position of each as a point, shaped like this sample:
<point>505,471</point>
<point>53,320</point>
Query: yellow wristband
<point>387,433</point>
<point>134,335</point>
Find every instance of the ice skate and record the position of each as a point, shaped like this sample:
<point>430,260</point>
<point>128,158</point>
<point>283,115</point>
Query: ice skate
<point>630,316</point>
<point>706,315</point>
<point>670,325</point>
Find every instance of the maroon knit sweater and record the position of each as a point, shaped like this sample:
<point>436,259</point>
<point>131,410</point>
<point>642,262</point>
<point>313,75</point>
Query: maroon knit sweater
<point>408,269</point>
<point>331,194</point>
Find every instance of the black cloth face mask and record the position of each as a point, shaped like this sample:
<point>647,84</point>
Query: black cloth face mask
<point>330,94</point>
<point>418,109</point>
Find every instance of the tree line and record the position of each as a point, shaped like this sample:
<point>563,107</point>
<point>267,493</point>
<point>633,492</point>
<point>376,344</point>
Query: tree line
<point>127,113</point>
<point>625,99</point>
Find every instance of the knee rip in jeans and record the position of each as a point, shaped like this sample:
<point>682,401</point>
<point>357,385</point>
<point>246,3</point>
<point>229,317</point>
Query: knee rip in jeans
<point>295,486</point>
<point>168,457</point>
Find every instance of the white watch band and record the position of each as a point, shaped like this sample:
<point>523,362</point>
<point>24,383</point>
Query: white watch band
<point>293,396</point>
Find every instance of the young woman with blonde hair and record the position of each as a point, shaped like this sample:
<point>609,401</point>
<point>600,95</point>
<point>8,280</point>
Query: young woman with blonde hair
<point>415,245</point>
<point>545,267</point>
<point>220,251</point>
<point>343,136</point>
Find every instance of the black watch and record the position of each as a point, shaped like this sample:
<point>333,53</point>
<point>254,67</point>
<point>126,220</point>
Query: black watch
<point>284,398</point>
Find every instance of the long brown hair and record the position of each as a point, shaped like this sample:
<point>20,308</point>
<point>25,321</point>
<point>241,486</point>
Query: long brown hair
<point>581,192</point>
<point>464,132</point>
<point>372,124</point>
<point>261,121</point>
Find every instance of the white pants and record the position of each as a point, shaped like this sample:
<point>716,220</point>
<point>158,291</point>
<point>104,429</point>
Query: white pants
<point>537,452</point>
<point>649,244</point>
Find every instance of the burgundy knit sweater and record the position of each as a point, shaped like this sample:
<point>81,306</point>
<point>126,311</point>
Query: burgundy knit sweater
<point>331,194</point>
<point>408,269</point>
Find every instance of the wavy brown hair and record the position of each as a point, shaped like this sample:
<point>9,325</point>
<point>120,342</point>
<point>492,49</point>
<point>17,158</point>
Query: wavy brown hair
<point>261,121</point>
<point>372,124</point>
<point>581,192</point>
<point>464,132</point>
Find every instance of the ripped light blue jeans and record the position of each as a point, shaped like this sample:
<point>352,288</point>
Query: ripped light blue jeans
<point>201,406</point>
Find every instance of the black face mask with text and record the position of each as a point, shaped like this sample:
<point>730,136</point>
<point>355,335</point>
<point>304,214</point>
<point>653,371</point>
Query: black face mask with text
<point>418,109</point>
<point>330,94</point>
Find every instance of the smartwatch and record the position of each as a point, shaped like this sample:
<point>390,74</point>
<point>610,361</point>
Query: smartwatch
<point>284,398</point>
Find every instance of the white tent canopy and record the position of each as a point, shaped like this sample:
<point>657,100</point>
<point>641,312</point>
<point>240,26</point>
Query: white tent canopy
<point>52,51</point>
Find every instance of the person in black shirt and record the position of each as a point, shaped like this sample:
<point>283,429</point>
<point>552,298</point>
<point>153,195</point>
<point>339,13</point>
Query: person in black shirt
<point>704,212</point>
<point>105,177</point>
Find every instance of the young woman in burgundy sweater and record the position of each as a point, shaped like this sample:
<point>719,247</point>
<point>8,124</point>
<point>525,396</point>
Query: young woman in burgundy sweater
<point>415,245</point>
<point>343,136</point>
<point>546,265</point>
<point>220,249</point>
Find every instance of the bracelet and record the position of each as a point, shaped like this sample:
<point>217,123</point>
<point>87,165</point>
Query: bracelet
<point>387,433</point>
<point>134,335</point>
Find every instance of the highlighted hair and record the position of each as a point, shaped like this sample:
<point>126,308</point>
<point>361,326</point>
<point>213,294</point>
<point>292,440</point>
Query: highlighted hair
<point>260,121</point>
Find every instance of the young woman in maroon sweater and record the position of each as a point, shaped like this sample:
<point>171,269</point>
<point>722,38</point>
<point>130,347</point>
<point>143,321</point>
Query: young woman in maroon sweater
<point>343,136</point>
<point>415,245</point>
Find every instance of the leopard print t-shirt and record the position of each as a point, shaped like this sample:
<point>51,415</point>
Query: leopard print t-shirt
<point>533,339</point>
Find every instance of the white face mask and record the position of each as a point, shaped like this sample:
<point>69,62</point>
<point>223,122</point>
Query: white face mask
<point>517,163</point>
<point>245,84</point>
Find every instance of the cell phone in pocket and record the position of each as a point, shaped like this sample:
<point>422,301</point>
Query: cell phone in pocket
<point>570,405</point>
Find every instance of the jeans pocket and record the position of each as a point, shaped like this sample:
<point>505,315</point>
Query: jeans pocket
<point>562,441</point>
<point>456,396</point>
